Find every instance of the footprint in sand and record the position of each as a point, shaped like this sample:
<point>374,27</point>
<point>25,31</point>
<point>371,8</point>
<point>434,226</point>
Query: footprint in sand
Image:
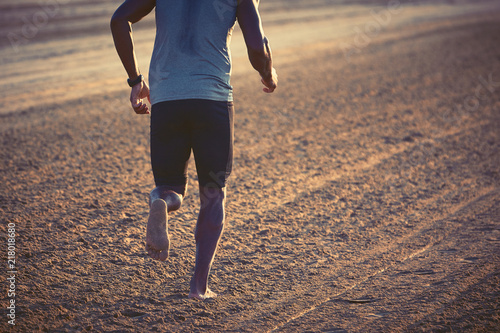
<point>469,260</point>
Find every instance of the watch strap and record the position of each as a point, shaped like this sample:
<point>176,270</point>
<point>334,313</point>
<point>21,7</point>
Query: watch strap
<point>135,81</point>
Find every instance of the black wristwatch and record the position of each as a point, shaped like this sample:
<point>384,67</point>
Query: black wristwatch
<point>132,83</point>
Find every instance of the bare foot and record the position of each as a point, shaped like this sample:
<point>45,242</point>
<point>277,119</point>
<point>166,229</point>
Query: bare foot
<point>157,241</point>
<point>202,296</point>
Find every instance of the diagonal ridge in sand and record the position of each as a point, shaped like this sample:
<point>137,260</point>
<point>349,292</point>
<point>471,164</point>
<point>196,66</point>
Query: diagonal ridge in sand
<point>480,204</point>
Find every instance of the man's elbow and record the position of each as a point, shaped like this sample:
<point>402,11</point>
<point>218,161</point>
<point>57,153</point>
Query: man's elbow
<point>117,20</point>
<point>259,49</point>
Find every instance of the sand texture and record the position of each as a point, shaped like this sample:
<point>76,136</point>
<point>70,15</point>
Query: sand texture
<point>365,194</point>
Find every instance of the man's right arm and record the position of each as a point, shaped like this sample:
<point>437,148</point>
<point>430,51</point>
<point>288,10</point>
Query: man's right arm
<point>130,12</point>
<point>259,51</point>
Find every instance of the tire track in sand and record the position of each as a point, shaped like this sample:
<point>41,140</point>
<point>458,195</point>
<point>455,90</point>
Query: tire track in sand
<point>457,227</point>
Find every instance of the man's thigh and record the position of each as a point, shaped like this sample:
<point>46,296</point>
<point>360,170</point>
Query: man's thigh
<point>212,141</point>
<point>170,143</point>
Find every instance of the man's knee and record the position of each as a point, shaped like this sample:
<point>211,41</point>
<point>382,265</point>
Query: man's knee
<point>212,206</point>
<point>172,195</point>
<point>212,196</point>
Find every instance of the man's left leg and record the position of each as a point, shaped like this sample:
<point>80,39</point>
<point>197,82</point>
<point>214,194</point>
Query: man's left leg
<point>207,234</point>
<point>170,151</point>
<point>162,200</point>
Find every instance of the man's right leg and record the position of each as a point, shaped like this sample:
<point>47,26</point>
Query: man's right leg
<point>213,152</point>
<point>208,233</point>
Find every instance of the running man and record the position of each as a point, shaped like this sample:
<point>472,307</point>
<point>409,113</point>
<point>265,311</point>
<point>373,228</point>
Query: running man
<point>192,109</point>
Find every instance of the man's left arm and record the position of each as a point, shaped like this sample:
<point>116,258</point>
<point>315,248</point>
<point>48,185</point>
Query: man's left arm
<point>131,11</point>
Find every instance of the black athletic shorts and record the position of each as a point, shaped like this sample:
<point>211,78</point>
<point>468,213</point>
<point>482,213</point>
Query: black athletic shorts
<point>204,126</point>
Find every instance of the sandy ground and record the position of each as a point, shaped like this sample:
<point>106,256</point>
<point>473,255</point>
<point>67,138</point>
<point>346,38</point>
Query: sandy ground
<point>365,195</point>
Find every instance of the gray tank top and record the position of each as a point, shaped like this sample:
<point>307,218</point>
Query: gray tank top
<point>191,57</point>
